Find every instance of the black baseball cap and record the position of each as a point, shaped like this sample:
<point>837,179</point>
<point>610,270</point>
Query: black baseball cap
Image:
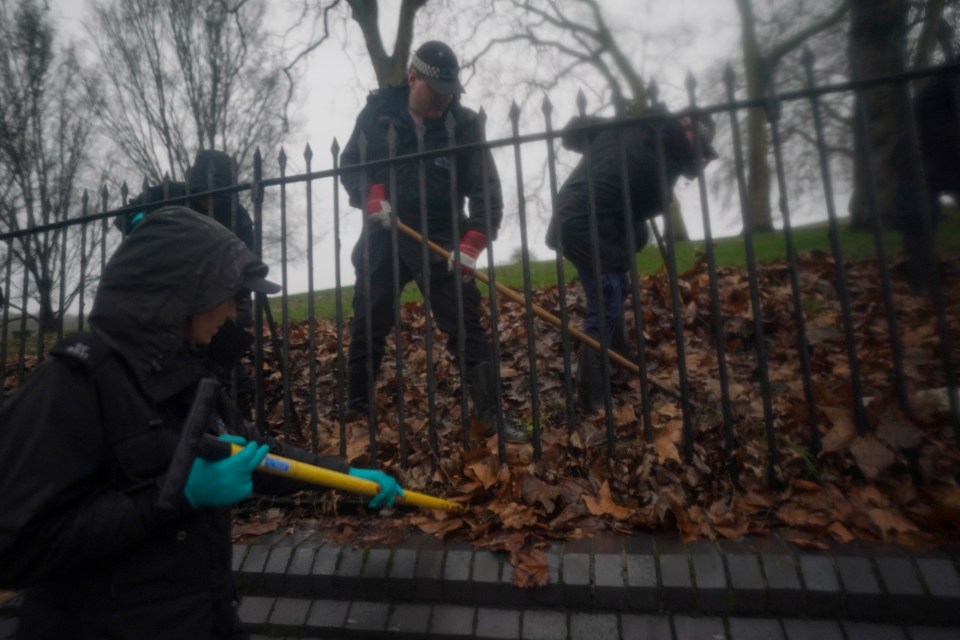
<point>437,62</point>
<point>254,279</point>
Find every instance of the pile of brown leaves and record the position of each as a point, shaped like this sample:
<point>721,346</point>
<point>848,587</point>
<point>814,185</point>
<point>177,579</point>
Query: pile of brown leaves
<point>895,483</point>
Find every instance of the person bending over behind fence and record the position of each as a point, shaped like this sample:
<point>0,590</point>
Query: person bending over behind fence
<point>106,535</point>
<point>570,224</point>
<point>430,94</point>
<point>212,170</point>
<point>937,117</point>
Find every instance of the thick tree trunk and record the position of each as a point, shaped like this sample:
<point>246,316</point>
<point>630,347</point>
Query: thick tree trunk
<point>877,45</point>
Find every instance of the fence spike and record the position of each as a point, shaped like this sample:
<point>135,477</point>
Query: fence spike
<point>362,144</point>
<point>807,58</point>
<point>653,90</point>
<point>482,117</point>
<point>308,153</point>
<point>728,77</point>
<point>282,159</point>
<point>581,103</point>
<point>85,200</point>
<point>546,106</point>
<point>124,191</point>
<point>514,113</point>
<point>335,147</point>
<point>104,196</point>
<point>691,82</point>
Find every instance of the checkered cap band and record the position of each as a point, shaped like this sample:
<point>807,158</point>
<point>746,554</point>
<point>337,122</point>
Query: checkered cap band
<point>423,68</point>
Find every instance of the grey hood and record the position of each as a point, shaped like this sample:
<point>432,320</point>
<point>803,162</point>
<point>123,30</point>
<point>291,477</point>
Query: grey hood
<point>177,263</point>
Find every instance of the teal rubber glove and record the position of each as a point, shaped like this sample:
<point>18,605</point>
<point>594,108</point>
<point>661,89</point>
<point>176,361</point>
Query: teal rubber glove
<point>389,488</point>
<point>218,483</point>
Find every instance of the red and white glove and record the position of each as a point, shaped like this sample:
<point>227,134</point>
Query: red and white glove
<point>472,245</point>
<point>379,212</point>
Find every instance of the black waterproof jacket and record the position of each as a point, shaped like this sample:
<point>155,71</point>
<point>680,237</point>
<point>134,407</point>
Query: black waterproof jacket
<point>386,107</point>
<point>86,443</point>
<point>570,223</point>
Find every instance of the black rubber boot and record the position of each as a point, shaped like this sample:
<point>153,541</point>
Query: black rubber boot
<point>358,402</point>
<point>920,260</point>
<point>618,340</point>
<point>481,385</point>
<point>590,379</point>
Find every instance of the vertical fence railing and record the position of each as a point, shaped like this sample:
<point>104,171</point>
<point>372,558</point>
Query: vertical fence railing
<point>91,232</point>
<point>565,346</point>
<point>527,290</point>
<point>839,264</point>
<point>772,109</point>
<point>719,333</point>
<point>756,311</point>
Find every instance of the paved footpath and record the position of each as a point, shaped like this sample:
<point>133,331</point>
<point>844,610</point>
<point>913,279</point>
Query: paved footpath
<point>617,588</point>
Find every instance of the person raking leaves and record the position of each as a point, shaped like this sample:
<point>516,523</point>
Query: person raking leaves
<point>86,446</point>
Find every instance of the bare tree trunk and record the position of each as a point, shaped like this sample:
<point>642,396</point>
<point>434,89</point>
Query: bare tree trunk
<point>390,69</point>
<point>758,169</point>
<point>877,44</point>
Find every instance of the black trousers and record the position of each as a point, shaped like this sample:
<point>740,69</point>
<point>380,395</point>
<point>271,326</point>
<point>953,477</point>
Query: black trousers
<point>443,299</point>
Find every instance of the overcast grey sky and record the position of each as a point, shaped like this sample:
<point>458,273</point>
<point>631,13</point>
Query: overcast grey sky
<point>335,80</point>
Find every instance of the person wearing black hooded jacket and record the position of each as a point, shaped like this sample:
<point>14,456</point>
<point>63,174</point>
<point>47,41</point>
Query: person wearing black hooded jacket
<point>602,179</point>
<point>87,444</point>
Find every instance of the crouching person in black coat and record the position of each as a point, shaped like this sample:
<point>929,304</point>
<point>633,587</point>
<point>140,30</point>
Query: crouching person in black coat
<point>86,447</point>
<point>570,223</point>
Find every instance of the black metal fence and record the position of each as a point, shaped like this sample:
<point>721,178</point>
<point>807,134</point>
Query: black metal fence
<point>735,350</point>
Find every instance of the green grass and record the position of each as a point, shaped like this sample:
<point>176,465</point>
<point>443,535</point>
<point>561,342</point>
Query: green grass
<point>768,246</point>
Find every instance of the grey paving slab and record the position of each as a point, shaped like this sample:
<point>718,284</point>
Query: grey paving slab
<point>940,576</point>
<point>594,626</point>
<point>275,569</point>
<point>711,580</point>
<point>497,624</point>
<point>410,619</point>
<point>904,597</point>
<point>642,590</point>
<point>328,614</point>
<point>250,575</point>
<point>544,625</point>
<point>486,567</point>
<point>872,631</point>
<point>575,574</point>
<point>821,585</point>
<point>254,610</point>
<point>933,633</point>
<point>860,586</point>
<point>749,594</point>
<point>375,585</point>
<point>428,573</point>
<point>298,571</point>
<point>367,616</point>
<point>643,627</point>
<point>796,629</point>
<point>677,587</point>
<point>456,576</point>
<point>609,589</point>
<point>404,563</point>
<point>690,628</point>
<point>784,592</point>
<point>239,551</point>
<point>290,614</point>
<point>943,587</point>
<point>755,629</point>
<point>324,568</point>
<point>452,621</point>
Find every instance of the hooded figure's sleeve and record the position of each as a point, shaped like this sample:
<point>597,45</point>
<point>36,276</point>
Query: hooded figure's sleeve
<point>58,512</point>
